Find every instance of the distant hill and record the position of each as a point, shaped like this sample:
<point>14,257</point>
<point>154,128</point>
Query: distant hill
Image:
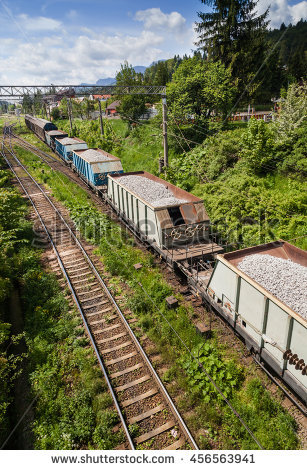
<point>140,68</point>
<point>106,81</point>
<point>112,81</point>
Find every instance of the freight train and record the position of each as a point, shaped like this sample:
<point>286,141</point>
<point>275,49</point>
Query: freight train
<point>176,225</point>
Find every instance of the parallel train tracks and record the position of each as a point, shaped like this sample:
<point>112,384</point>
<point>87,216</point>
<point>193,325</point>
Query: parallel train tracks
<point>138,393</point>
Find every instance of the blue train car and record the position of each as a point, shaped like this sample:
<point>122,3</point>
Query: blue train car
<point>65,147</point>
<point>52,135</point>
<point>94,165</point>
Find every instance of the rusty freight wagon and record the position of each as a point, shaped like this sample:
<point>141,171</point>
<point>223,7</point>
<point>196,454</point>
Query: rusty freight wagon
<point>275,328</point>
<point>174,222</point>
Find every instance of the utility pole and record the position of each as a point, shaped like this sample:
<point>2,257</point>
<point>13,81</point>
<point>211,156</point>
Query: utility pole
<point>165,143</point>
<point>161,163</point>
<point>100,117</point>
<point>69,115</point>
<point>46,106</point>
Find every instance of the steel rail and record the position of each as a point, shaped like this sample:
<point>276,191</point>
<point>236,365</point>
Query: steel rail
<point>69,174</point>
<point>295,402</point>
<point>34,149</point>
<point>135,340</point>
<point>274,380</point>
<point>75,299</point>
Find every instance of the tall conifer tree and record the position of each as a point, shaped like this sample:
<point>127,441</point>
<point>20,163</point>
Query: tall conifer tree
<point>233,33</point>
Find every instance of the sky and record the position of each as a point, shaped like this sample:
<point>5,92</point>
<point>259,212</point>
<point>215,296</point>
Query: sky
<point>76,41</point>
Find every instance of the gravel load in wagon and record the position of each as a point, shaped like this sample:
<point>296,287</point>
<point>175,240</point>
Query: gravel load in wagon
<point>156,194</point>
<point>94,155</point>
<point>69,141</point>
<point>283,278</point>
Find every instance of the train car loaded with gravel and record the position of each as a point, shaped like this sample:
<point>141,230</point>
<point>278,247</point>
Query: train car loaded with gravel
<point>64,147</point>
<point>261,292</point>
<point>52,135</point>
<point>94,165</point>
<point>174,222</point>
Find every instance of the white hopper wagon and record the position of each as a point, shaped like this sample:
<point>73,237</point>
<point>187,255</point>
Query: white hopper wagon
<point>174,222</point>
<point>272,329</point>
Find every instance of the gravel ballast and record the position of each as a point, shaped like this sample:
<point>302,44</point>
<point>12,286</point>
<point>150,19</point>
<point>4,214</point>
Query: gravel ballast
<point>156,194</point>
<point>283,278</point>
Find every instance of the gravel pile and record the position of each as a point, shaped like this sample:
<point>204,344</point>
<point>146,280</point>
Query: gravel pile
<point>283,278</point>
<point>154,193</point>
<point>68,141</point>
<point>94,155</point>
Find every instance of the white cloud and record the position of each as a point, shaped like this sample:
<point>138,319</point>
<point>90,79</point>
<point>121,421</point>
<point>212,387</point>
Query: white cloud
<point>85,60</point>
<point>281,12</point>
<point>44,52</point>
<point>39,23</point>
<point>298,11</point>
<point>154,18</point>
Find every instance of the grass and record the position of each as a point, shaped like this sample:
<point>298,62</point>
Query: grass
<point>72,405</point>
<point>220,429</point>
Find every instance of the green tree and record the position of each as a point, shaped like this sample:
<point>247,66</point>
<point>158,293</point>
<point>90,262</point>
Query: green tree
<point>234,35</point>
<point>63,108</point>
<point>88,107</point>
<point>297,66</point>
<point>291,45</point>
<point>27,104</point>
<point>131,106</point>
<point>258,147</point>
<point>200,88</point>
<point>162,74</point>
<point>293,112</point>
<point>77,108</point>
<point>55,113</point>
<point>38,103</point>
<point>290,130</point>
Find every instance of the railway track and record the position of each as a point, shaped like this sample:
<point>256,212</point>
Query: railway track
<point>46,157</point>
<point>58,165</point>
<point>142,402</point>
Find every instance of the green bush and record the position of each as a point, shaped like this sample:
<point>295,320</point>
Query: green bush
<point>226,374</point>
<point>258,147</point>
